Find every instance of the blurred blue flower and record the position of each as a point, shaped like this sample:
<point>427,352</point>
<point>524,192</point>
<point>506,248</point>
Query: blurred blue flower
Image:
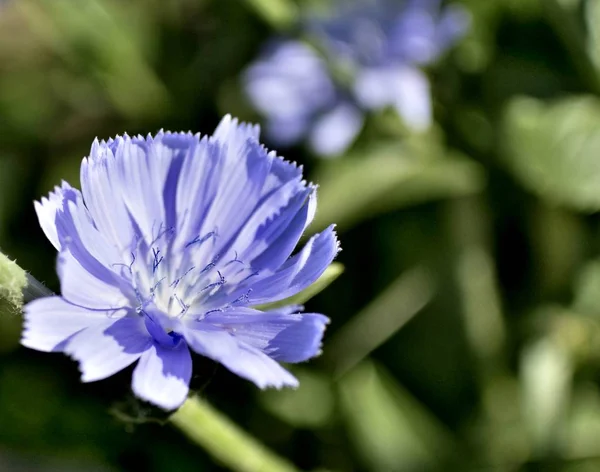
<point>381,44</point>
<point>291,86</point>
<point>171,242</point>
<point>378,33</point>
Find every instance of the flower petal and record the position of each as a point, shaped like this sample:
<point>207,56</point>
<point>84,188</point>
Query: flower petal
<point>406,88</point>
<point>277,239</point>
<point>76,230</point>
<point>210,341</point>
<point>239,357</point>
<point>283,335</point>
<point>412,98</point>
<point>271,220</point>
<point>196,188</point>
<point>99,185</point>
<point>334,132</point>
<point>242,181</point>
<point>81,287</point>
<point>109,347</point>
<point>299,271</point>
<point>50,321</point>
<point>300,340</point>
<point>254,365</point>
<point>46,210</point>
<point>289,84</point>
<point>162,376</point>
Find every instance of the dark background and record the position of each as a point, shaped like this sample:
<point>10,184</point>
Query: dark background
<point>465,332</point>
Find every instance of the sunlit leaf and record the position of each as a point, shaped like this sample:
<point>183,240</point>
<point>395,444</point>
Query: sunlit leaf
<point>553,149</point>
<point>546,375</point>
<point>387,179</point>
<point>278,13</point>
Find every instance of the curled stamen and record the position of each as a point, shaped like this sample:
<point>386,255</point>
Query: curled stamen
<point>215,284</point>
<point>127,266</point>
<point>235,259</point>
<point>215,310</point>
<point>253,274</point>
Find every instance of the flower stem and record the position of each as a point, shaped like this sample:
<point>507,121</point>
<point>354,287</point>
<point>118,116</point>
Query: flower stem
<point>13,281</point>
<point>226,442</point>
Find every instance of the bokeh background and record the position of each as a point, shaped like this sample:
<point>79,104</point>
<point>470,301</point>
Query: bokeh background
<point>465,331</point>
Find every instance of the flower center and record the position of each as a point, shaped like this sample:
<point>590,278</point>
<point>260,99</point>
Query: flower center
<point>192,279</point>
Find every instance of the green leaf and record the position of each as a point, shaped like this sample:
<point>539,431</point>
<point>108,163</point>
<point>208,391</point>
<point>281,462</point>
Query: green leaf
<point>310,406</point>
<point>553,149</point>
<point>379,320</point>
<point>389,428</point>
<point>546,375</point>
<point>587,290</point>
<point>386,179</point>
<point>331,273</point>
<point>280,14</point>
<point>112,51</point>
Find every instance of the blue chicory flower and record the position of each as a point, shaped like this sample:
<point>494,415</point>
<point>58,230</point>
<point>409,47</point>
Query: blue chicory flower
<point>381,43</point>
<point>291,86</point>
<point>170,244</point>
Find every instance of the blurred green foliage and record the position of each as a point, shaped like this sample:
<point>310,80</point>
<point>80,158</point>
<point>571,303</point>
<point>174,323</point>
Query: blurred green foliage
<point>465,329</point>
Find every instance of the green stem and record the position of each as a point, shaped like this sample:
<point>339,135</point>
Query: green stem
<point>13,280</point>
<point>225,441</point>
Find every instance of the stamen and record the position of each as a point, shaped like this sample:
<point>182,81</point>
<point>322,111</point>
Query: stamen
<point>215,284</point>
<point>157,260</point>
<point>235,259</point>
<point>253,274</point>
<point>208,267</point>
<point>245,298</point>
<point>200,240</point>
<point>128,267</point>
<point>153,289</point>
<point>175,283</point>
<point>170,230</point>
<point>183,306</point>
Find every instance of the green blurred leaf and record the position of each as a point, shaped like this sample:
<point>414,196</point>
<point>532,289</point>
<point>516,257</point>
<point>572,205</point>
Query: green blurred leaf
<point>331,273</point>
<point>379,320</point>
<point>553,149</point>
<point>280,14</point>
<point>546,376</point>
<point>583,426</point>
<point>386,179</point>
<point>592,16</point>
<point>310,406</point>
<point>389,428</point>
<point>587,290</point>
<point>109,52</point>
